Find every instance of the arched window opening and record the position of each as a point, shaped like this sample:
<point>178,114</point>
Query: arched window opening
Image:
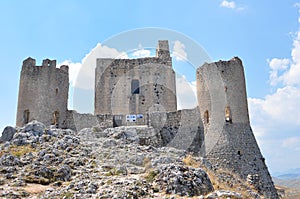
<point>26,116</point>
<point>206,117</point>
<point>56,91</point>
<point>228,114</point>
<point>135,86</point>
<point>55,118</point>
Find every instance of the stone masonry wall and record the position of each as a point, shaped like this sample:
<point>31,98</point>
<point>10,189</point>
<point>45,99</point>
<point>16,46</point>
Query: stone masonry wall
<point>136,86</point>
<point>43,93</point>
<point>182,129</point>
<point>229,140</point>
<point>236,150</point>
<point>78,121</point>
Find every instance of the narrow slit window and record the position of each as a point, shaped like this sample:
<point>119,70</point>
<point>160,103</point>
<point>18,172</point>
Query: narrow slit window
<point>26,116</point>
<point>206,117</point>
<point>135,86</point>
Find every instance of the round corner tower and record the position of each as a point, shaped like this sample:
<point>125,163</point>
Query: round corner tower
<point>43,93</point>
<point>229,142</point>
<point>221,92</point>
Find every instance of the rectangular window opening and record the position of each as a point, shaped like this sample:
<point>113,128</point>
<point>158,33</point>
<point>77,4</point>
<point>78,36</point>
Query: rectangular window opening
<point>135,86</point>
<point>26,116</point>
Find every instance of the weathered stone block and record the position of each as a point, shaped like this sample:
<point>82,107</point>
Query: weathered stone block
<point>8,134</point>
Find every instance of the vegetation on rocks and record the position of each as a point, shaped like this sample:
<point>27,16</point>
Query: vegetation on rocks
<point>20,150</point>
<point>39,162</point>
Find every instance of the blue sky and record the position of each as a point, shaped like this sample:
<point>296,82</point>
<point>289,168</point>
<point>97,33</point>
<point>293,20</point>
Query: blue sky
<point>264,34</point>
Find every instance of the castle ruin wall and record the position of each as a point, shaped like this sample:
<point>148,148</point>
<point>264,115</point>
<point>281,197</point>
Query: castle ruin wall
<point>43,93</point>
<point>229,141</point>
<point>136,86</point>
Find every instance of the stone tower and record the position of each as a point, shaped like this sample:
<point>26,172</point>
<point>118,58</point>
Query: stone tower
<point>43,93</point>
<point>136,86</point>
<point>229,140</point>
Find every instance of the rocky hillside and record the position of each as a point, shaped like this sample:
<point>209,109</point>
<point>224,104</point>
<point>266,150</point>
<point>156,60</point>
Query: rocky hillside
<point>123,162</point>
<point>290,187</point>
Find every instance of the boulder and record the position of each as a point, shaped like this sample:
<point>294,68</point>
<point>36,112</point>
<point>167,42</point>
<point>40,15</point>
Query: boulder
<point>224,194</point>
<point>183,180</point>
<point>64,173</point>
<point>8,134</point>
<point>142,135</point>
<point>9,160</point>
<point>35,127</point>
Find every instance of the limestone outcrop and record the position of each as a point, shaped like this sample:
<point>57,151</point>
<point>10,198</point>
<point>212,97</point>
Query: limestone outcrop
<point>47,162</point>
<point>7,134</point>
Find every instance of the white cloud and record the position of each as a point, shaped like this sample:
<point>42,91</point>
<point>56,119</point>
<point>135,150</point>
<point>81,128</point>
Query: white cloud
<point>186,93</point>
<point>74,69</point>
<point>297,5</point>
<point>287,71</point>
<point>228,4</point>
<point>141,52</point>
<point>292,143</point>
<point>179,51</point>
<point>279,107</point>
<point>291,77</point>
<point>257,116</point>
<point>275,118</point>
<point>282,105</point>
<point>231,5</point>
<point>82,74</point>
<point>277,66</point>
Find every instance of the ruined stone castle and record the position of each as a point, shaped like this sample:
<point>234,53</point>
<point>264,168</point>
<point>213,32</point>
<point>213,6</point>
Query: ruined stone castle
<point>142,91</point>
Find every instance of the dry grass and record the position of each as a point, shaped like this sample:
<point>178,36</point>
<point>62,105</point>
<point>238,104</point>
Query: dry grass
<point>291,187</point>
<point>150,175</point>
<point>190,161</point>
<point>147,163</point>
<point>20,150</point>
<point>17,150</point>
<point>35,188</point>
<point>231,182</point>
<point>289,193</point>
<point>292,195</point>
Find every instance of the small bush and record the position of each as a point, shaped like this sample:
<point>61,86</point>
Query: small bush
<point>96,129</point>
<point>150,176</point>
<point>114,172</point>
<point>67,195</point>
<point>35,180</point>
<point>190,161</point>
<point>21,150</point>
